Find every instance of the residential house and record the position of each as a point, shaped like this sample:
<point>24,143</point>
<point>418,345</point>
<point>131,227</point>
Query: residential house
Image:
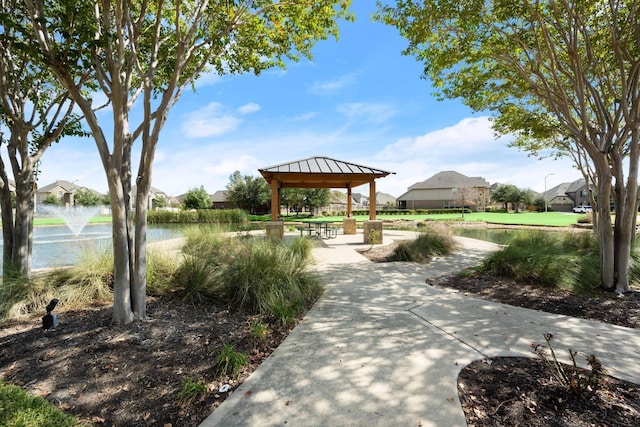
<point>219,200</point>
<point>579,192</point>
<point>154,193</point>
<point>448,189</point>
<point>557,198</point>
<point>63,191</point>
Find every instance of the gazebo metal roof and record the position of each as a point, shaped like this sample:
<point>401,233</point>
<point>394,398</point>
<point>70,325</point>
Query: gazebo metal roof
<point>321,172</point>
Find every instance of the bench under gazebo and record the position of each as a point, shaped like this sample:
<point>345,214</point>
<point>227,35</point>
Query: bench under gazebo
<point>321,172</point>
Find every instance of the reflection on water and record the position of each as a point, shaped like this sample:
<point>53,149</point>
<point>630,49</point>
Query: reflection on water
<point>501,236</point>
<point>55,246</point>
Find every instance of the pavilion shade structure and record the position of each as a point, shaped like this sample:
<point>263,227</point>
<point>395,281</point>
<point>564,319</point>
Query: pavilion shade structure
<point>320,172</point>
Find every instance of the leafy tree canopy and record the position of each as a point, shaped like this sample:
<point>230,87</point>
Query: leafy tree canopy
<point>197,198</point>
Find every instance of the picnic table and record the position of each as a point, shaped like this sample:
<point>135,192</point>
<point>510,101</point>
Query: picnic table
<point>318,229</point>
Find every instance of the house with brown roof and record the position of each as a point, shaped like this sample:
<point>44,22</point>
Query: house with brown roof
<point>63,191</point>
<point>566,196</point>
<point>447,189</point>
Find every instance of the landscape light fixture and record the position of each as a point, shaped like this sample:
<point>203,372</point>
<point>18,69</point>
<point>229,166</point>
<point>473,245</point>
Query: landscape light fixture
<point>50,320</point>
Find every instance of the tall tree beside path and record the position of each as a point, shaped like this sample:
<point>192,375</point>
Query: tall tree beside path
<point>560,75</point>
<point>143,55</point>
<point>35,112</point>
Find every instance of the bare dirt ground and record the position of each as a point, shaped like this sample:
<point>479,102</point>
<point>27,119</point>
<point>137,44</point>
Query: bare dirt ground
<point>131,376</point>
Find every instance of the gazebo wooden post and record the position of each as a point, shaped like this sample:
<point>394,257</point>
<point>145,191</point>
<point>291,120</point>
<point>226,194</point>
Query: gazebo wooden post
<point>349,223</point>
<point>275,200</point>
<point>372,200</point>
<point>275,228</point>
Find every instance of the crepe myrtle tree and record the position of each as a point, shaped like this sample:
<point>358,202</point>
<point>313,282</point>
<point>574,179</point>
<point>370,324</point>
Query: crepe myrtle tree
<point>562,76</point>
<point>35,112</point>
<point>142,55</point>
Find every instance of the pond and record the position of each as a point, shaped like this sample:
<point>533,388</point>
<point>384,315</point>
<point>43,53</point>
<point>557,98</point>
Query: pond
<point>57,246</point>
<point>501,236</point>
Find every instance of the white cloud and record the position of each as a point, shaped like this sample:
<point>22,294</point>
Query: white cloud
<point>331,86</point>
<point>367,112</point>
<point>303,117</point>
<point>249,108</point>
<point>470,134</point>
<point>211,120</point>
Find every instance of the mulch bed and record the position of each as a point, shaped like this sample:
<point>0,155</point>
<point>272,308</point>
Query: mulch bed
<point>132,375</point>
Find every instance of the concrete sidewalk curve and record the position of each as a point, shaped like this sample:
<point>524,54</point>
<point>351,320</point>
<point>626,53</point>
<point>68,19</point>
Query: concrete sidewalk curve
<point>382,348</point>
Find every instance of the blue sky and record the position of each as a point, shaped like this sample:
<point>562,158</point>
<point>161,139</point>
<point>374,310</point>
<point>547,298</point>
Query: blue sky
<point>358,100</point>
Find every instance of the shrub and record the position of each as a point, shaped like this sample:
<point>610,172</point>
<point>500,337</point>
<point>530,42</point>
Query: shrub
<point>86,283</point>
<point>253,275</point>
<point>162,270</point>
<point>580,382</point>
<point>436,240</point>
<point>566,260</point>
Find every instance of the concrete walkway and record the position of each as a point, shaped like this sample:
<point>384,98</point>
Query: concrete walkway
<point>382,348</point>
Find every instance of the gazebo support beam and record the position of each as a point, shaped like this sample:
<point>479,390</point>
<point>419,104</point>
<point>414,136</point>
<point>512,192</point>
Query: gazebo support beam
<point>275,200</point>
<point>349,206</point>
<point>372,200</point>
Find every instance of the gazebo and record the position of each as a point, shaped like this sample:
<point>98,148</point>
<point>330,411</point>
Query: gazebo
<point>322,172</point>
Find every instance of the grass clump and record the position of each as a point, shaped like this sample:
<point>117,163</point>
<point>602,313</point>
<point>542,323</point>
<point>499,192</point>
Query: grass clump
<point>565,260</point>
<point>19,408</point>
<point>436,240</point>
<point>191,390</point>
<point>229,361</point>
<point>88,282</point>
<point>252,275</point>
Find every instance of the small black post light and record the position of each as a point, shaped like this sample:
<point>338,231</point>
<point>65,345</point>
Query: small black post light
<point>50,320</point>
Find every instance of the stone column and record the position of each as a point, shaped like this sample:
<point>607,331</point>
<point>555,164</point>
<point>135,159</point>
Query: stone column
<point>275,230</point>
<point>372,232</point>
<point>349,226</point>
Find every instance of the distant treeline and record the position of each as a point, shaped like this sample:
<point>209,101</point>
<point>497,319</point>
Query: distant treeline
<point>200,216</point>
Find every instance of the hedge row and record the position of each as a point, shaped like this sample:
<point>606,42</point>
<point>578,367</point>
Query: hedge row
<point>401,212</point>
<point>200,216</point>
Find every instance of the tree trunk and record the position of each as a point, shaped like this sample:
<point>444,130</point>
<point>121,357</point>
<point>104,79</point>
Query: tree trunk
<point>122,313</point>
<point>6,209</point>
<point>21,257</point>
<point>139,285</point>
<point>626,213</point>
<point>605,232</point>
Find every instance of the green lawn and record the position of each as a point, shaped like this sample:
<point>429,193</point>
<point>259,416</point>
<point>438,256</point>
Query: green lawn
<point>553,219</point>
<point>60,221</point>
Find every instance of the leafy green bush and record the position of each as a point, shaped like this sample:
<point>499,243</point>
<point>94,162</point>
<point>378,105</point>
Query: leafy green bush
<point>200,216</point>
<point>19,408</point>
